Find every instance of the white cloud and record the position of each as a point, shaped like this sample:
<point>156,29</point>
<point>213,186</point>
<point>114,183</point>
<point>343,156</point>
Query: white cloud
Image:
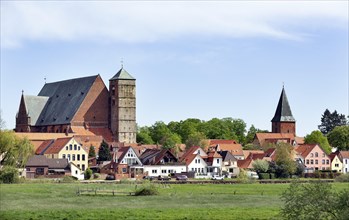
<point>153,21</point>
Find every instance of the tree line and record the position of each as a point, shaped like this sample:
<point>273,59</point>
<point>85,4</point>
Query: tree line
<point>194,132</point>
<point>333,132</point>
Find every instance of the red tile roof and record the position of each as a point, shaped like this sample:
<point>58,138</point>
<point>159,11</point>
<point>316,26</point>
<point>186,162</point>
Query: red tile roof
<point>41,149</point>
<point>274,137</point>
<point>305,149</point>
<point>245,164</point>
<point>344,154</point>
<point>189,152</point>
<point>248,152</point>
<point>57,146</point>
<point>213,142</point>
<point>234,149</point>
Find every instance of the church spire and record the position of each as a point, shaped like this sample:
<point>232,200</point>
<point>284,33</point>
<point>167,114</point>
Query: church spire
<point>283,111</point>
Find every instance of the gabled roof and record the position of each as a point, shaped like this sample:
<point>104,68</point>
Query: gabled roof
<point>271,153</point>
<point>245,164</point>
<point>274,137</point>
<point>34,106</point>
<point>37,160</point>
<point>332,156</point>
<point>154,156</point>
<point>57,163</point>
<point>191,157</point>
<point>43,147</point>
<point>57,146</point>
<point>235,149</point>
<point>248,152</point>
<point>42,161</point>
<point>227,156</point>
<point>214,155</point>
<point>344,154</point>
<point>122,75</point>
<point>189,152</point>
<point>305,149</point>
<point>61,94</point>
<point>283,111</point>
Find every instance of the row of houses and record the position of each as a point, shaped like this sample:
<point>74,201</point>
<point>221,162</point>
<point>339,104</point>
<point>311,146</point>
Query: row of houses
<point>135,161</point>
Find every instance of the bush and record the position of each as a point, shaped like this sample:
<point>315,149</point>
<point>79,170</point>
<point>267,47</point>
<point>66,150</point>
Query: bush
<point>147,190</point>
<point>69,179</point>
<point>272,175</point>
<point>313,201</point>
<point>263,176</point>
<point>9,175</point>
<point>342,178</point>
<point>88,174</point>
<point>96,175</point>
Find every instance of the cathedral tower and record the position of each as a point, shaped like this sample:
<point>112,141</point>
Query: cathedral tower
<point>122,107</point>
<point>283,120</point>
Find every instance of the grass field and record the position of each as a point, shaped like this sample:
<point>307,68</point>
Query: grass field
<point>59,201</point>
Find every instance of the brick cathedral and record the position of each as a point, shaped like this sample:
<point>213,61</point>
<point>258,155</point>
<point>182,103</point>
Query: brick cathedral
<point>83,106</point>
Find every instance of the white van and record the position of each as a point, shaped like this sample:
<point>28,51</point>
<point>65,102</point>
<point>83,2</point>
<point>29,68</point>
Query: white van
<point>252,174</point>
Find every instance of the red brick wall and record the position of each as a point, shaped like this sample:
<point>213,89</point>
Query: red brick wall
<point>94,109</point>
<point>284,127</point>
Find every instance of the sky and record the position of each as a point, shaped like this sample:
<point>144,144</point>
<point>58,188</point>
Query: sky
<point>191,59</point>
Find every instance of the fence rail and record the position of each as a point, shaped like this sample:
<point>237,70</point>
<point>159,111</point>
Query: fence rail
<point>103,192</point>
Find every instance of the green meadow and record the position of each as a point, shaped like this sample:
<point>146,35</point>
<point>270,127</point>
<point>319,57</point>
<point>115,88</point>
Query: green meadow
<point>184,201</point>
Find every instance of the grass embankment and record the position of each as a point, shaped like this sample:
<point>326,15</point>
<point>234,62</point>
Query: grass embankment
<point>59,201</point>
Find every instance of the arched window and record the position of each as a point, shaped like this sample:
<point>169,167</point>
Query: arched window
<point>316,154</point>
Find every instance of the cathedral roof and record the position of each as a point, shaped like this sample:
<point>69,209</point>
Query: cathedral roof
<point>283,111</point>
<point>34,106</point>
<point>122,74</point>
<point>64,99</point>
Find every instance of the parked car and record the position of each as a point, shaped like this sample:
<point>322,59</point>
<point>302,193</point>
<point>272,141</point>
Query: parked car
<point>182,178</point>
<point>164,177</point>
<point>252,175</point>
<point>110,177</point>
<point>148,178</point>
<point>217,177</point>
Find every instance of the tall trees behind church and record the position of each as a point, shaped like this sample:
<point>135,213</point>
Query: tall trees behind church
<point>331,120</point>
<point>316,137</point>
<point>193,132</point>
<point>339,137</point>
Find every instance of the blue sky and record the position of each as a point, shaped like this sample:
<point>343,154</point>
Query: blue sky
<point>191,59</point>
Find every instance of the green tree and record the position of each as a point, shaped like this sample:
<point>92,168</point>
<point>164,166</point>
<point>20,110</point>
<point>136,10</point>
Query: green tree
<point>286,165</point>
<point>15,151</point>
<point>87,174</point>
<point>315,200</point>
<point>104,152</point>
<point>9,174</point>
<point>252,132</point>
<point>331,120</point>
<point>158,131</point>
<point>260,166</point>
<point>185,128</point>
<point>92,152</point>
<point>197,139</point>
<point>170,141</point>
<point>316,137</point>
<point>144,136</point>
<point>339,137</point>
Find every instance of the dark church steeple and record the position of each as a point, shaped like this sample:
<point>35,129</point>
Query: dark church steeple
<point>283,120</point>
